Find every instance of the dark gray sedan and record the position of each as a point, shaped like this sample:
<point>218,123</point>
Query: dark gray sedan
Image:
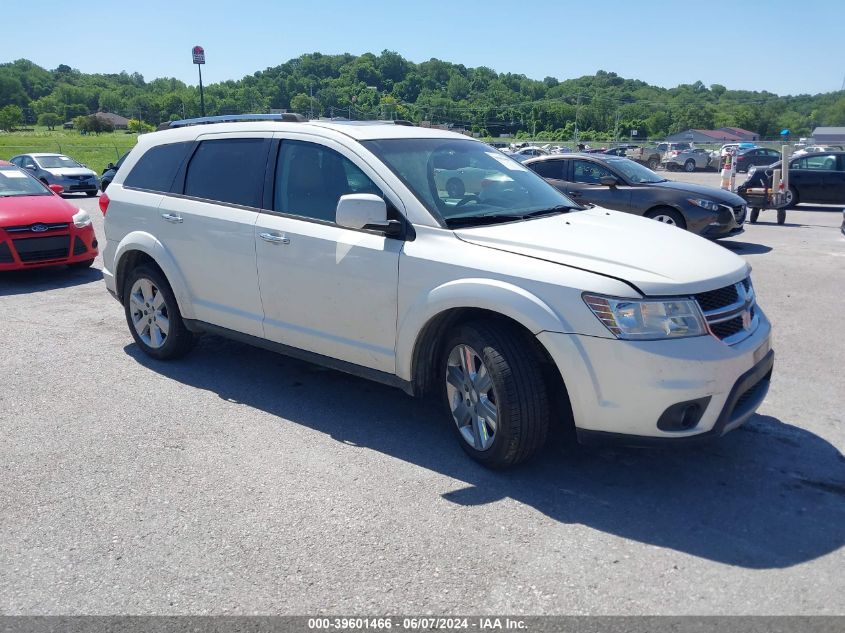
<point>624,185</point>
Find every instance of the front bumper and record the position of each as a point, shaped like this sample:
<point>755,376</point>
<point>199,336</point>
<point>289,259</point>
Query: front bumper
<point>622,388</point>
<point>23,250</point>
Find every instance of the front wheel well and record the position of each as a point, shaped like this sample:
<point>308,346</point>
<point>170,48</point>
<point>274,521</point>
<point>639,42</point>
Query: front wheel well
<point>428,352</point>
<point>128,262</point>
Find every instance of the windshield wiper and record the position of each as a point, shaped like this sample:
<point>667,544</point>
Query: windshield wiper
<point>470,220</point>
<point>561,208</point>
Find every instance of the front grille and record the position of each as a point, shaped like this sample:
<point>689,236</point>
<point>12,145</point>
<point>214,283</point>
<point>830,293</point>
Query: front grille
<point>26,228</point>
<point>727,328</point>
<point>39,249</point>
<point>739,213</point>
<point>714,299</point>
<point>730,312</point>
<point>5,254</point>
<point>78,246</point>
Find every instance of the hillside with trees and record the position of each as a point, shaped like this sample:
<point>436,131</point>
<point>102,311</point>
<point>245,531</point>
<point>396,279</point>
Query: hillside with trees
<point>602,107</point>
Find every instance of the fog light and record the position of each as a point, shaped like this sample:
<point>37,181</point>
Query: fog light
<point>683,416</point>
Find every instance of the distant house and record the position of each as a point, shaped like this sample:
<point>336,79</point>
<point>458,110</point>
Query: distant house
<point>117,121</point>
<point>829,135</point>
<point>722,135</point>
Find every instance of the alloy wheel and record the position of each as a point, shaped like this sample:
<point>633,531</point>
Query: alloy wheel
<point>148,311</point>
<point>472,399</point>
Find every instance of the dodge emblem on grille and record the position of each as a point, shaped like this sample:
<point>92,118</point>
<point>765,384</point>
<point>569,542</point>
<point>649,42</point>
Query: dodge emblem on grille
<point>38,228</point>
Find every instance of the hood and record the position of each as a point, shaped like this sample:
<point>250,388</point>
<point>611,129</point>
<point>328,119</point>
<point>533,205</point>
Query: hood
<point>70,171</point>
<point>656,258</point>
<point>19,210</point>
<point>717,195</point>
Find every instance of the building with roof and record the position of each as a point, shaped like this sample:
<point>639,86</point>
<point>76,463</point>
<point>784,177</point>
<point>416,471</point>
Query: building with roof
<point>825,135</point>
<point>117,121</point>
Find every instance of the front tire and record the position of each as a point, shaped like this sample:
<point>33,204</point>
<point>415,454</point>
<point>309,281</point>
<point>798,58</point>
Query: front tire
<point>689,166</point>
<point>495,392</point>
<point>667,216</point>
<point>653,163</point>
<point>791,198</point>
<point>153,315</point>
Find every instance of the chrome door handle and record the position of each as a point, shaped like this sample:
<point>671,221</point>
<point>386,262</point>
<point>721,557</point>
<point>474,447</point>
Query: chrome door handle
<point>274,238</point>
<point>172,217</point>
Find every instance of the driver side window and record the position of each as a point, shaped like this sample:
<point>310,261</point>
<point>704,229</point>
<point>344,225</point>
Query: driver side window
<point>589,173</point>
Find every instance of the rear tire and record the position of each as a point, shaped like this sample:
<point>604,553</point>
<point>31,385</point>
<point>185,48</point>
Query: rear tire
<point>653,163</point>
<point>153,315</point>
<point>495,392</point>
<point>755,213</point>
<point>689,166</point>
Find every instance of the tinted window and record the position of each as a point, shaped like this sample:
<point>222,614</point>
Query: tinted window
<point>587,172</point>
<point>311,178</point>
<point>157,168</point>
<point>228,170</point>
<point>816,163</point>
<point>549,168</point>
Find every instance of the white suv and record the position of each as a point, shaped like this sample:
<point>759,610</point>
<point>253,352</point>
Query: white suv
<point>339,243</point>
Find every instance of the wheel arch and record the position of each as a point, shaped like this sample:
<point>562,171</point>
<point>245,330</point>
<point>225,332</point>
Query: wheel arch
<point>140,248</point>
<point>428,350</point>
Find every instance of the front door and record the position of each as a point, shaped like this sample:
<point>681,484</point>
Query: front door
<point>585,186</point>
<point>326,289</point>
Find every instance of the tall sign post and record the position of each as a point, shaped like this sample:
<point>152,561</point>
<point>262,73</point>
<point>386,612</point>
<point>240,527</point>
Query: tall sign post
<point>198,54</point>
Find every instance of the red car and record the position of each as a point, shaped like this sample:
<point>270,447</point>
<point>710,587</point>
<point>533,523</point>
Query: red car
<point>38,227</point>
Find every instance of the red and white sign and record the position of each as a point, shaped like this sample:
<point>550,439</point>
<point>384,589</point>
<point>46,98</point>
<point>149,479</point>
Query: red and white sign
<point>199,54</point>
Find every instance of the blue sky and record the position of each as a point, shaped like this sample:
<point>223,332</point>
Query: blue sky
<point>662,42</point>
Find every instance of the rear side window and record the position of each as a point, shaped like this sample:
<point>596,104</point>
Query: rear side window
<point>549,168</point>
<point>157,168</point>
<point>228,170</point>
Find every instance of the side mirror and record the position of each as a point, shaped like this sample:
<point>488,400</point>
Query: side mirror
<point>57,189</point>
<point>608,181</point>
<point>29,166</point>
<point>365,211</point>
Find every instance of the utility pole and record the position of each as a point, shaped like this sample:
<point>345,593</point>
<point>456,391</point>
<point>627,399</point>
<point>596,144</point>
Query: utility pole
<point>616,128</point>
<point>577,110</point>
<point>311,101</point>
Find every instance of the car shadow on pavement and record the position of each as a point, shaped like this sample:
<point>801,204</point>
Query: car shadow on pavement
<point>746,248</point>
<point>768,495</point>
<point>20,282</point>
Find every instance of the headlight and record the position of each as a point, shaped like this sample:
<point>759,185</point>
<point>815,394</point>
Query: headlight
<point>644,320</point>
<point>81,219</point>
<point>704,204</point>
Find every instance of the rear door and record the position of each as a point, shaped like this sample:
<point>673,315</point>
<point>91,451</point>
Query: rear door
<point>810,175</point>
<point>208,227</point>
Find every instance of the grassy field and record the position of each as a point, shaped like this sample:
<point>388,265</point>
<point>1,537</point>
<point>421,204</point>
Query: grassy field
<point>90,150</point>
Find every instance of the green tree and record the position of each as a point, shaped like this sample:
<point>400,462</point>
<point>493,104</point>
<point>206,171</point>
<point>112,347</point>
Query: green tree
<point>10,116</point>
<point>50,120</point>
<point>300,103</point>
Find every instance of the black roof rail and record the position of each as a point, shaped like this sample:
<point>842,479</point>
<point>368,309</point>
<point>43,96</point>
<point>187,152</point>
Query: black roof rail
<point>402,122</point>
<point>290,117</point>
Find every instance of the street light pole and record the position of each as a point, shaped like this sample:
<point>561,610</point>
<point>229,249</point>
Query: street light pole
<point>198,53</point>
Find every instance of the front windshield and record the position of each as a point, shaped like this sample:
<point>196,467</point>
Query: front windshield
<point>634,172</point>
<point>461,181</point>
<point>14,182</point>
<point>56,162</point>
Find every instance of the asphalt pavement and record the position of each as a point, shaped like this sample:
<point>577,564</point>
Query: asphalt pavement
<point>238,481</point>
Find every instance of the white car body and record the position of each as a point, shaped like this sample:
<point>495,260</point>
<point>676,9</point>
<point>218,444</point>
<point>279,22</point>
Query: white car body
<point>380,301</point>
